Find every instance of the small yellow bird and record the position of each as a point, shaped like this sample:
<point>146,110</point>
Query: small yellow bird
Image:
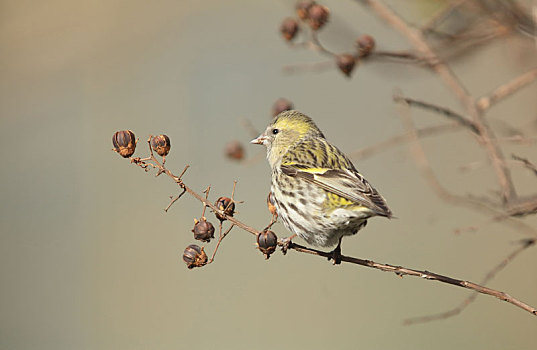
<point>318,193</point>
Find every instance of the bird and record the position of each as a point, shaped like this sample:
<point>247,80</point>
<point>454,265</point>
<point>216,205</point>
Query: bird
<point>318,193</point>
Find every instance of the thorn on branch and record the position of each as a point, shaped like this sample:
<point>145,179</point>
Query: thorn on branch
<point>173,200</point>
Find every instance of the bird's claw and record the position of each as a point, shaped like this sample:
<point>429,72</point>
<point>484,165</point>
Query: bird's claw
<point>286,243</point>
<point>335,256</point>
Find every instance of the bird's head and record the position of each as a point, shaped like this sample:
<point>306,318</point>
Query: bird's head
<point>286,130</point>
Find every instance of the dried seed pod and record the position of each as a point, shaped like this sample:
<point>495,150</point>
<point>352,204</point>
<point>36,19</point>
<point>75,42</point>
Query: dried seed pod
<point>203,230</point>
<point>302,8</point>
<point>366,45</point>
<point>267,242</point>
<point>346,63</point>
<point>289,28</point>
<point>161,144</point>
<point>124,143</point>
<point>194,256</point>
<point>317,16</point>
<point>270,204</point>
<point>226,205</point>
<point>281,104</point>
<point>234,150</point>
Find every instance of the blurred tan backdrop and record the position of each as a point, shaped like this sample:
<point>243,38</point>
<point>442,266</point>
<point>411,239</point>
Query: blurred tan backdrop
<point>88,258</point>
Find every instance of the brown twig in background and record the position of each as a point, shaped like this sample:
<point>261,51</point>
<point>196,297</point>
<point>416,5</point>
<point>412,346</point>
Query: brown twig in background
<point>529,165</point>
<point>461,45</point>
<point>247,124</point>
<point>308,67</point>
<point>404,56</point>
<point>507,89</point>
<point>396,140</point>
<point>428,174</point>
<point>522,207</point>
<point>391,56</point>
<point>441,15</point>
<point>463,121</point>
<point>417,39</point>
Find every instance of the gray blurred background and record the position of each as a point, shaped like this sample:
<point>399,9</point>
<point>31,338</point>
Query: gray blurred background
<point>89,259</point>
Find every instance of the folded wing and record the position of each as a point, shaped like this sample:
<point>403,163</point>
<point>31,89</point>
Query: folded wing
<point>346,183</point>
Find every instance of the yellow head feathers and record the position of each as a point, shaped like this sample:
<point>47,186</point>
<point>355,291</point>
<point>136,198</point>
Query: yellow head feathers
<point>286,130</point>
<point>299,123</point>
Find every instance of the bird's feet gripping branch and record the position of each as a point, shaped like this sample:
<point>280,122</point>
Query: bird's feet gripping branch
<point>336,253</point>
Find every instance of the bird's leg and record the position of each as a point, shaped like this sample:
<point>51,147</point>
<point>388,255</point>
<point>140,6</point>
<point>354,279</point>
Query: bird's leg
<point>272,221</point>
<point>286,243</point>
<point>336,253</point>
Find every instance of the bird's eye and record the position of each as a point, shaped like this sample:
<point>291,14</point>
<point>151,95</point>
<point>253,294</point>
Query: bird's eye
<point>275,131</point>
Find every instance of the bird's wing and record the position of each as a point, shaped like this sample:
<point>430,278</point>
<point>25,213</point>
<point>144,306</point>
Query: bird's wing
<point>346,183</point>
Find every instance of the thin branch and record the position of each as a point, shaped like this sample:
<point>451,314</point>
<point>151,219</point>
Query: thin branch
<point>522,207</point>
<point>529,165</point>
<point>441,15</point>
<point>404,271</point>
<point>402,138</point>
<point>526,243</point>
<point>221,237</point>
<point>308,67</point>
<point>317,43</point>
<point>405,56</point>
<point>312,43</point>
<point>391,56</point>
<point>507,89</point>
<point>207,190</point>
<point>247,124</point>
<point>462,120</point>
<point>461,44</point>
<point>173,200</point>
<point>496,157</point>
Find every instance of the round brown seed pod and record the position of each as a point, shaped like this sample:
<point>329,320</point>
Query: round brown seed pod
<point>289,28</point>
<point>346,63</point>
<point>124,143</point>
<point>194,256</point>
<point>161,144</point>
<point>234,150</point>
<point>281,105</point>
<point>226,205</point>
<point>267,241</point>
<point>302,7</point>
<point>203,230</point>
<point>366,45</point>
<point>317,16</point>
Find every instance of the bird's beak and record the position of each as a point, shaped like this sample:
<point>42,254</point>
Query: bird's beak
<point>259,140</point>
